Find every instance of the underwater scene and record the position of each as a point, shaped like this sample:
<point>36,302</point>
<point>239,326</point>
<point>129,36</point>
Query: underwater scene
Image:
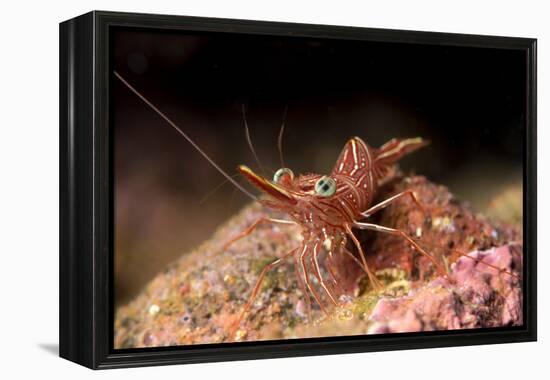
<point>283,187</point>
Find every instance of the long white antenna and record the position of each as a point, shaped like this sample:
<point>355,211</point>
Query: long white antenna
<point>280,139</point>
<point>185,136</point>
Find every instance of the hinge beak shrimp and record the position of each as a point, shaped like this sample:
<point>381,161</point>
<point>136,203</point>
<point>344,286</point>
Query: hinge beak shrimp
<point>328,208</point>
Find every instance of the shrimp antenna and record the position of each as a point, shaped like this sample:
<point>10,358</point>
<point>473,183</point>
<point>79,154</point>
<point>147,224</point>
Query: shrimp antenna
<point>235,183</point>
<point>207,196</point>
<point>249,140</point>
<point>280,138</point>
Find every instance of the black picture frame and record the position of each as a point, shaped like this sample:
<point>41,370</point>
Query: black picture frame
<point>86,201</point>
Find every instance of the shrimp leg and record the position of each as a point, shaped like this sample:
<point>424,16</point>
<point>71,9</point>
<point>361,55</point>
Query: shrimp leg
<point>371,276</point>
<point>393,231</point>
<point>303,257</point>
<point>302,285</point>
<point>253,226</point>
<point>390,200</point>
<point>317,272</point>
<point>267,268</point>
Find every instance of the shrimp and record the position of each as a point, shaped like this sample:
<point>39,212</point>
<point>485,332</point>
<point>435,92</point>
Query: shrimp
<point>329,207</point>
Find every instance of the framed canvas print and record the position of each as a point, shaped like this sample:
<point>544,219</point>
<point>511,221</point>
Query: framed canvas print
<point>238,189</point>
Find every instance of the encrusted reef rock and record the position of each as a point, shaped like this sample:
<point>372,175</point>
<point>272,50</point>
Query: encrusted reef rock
<point>473,295</point>
<point>199,297</point>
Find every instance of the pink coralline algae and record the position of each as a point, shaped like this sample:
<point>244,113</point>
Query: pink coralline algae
<point>474,295</point>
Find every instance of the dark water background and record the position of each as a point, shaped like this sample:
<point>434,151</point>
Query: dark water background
<point>469,102</point>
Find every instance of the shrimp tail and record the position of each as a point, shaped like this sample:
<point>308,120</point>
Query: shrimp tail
<point>386,157</point>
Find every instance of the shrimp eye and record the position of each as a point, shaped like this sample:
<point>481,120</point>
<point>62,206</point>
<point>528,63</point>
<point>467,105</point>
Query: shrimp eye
<point>325,186</point>
<point>282,172</point>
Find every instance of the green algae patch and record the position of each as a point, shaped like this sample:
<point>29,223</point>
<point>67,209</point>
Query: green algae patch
<point>258,265</point>
<point>363,306</point>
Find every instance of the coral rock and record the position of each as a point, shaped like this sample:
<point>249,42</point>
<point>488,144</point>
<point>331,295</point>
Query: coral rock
<point>199,297</point>
<point>473,295</point>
